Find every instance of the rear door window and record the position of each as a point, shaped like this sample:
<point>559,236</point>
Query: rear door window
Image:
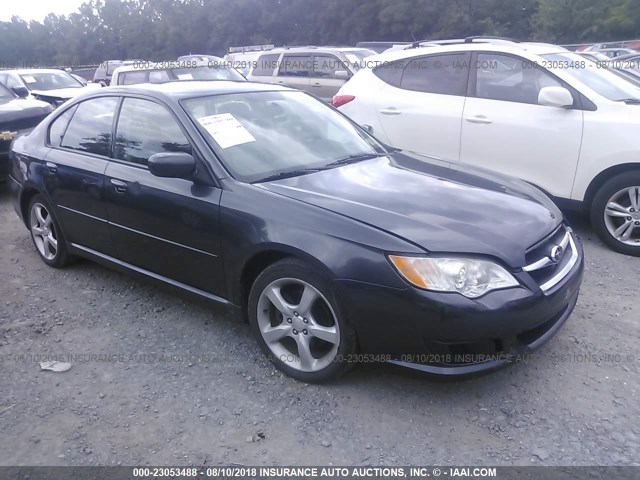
<point>266,65</point>
<point>90,128</point>
<point>296,66</point>
<point>440,74</point>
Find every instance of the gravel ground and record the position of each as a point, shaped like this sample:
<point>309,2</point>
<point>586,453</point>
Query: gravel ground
<point>176,382</point>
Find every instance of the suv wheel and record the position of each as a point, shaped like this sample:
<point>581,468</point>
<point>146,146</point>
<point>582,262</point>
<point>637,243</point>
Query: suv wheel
<point>298,322</point>
<point>615,213</point>
<point>46,233</point>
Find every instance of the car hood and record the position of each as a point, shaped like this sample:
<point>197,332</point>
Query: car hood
<point>61,93</point>
<point>14,111</point>
<point>438,206</point>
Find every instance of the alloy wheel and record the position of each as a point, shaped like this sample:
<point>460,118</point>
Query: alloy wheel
<point>622,216</point>
<point>43,231</point>
<point>298,325</point>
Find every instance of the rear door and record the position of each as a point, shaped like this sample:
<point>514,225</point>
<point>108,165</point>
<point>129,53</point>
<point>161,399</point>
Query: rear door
<point>168,226</point>
<point>74,171</point>
<point>421,109</point>
<point>295,71</point>
<point>505,129</point>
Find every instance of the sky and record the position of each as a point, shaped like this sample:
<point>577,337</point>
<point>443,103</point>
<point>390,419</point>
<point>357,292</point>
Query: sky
<point>37,9</point>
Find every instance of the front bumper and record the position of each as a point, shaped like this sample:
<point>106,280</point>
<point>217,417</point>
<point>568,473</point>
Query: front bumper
<point>449,334</point>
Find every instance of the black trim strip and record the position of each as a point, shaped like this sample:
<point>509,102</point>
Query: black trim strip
<point>163,240</point>
<point>139,232</point>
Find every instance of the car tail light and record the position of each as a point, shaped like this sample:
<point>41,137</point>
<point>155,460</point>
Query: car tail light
<point>340,100</point>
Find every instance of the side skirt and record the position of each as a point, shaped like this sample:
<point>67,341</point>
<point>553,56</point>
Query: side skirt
<point>155,278</point>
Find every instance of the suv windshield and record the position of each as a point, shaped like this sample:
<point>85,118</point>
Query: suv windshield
<point>264,134</point>
<point>49,80</point>
<point>597,78</point>
<point>5,93</point>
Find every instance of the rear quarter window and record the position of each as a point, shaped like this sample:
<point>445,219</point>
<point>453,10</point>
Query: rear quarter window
<point>391,72</point>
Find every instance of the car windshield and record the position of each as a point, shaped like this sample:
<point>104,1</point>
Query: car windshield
<point>207,73</point>
<point>598,79</point>
<point>355,57</point>
<point>49,80</point>
<point>5,92</point>
<point>265,134</point>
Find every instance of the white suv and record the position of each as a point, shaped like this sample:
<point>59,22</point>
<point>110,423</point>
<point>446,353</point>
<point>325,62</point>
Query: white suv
<point>534,111</point>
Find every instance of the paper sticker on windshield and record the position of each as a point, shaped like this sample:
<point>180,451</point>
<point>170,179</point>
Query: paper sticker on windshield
<point>185,76</point>
<point>226,130</point>
<point>29,79</point>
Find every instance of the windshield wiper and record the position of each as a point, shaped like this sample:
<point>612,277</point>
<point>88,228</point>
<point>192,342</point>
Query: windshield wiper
<point>630,101</point>
<point>354,159</point>
<point>288,174</point>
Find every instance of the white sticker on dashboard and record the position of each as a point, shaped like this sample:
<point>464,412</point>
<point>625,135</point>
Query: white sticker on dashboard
<point>226,130</point>
<point>185,76</point>
<point>29,79</point>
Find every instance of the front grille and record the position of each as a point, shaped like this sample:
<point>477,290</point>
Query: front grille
<point>551,260</point>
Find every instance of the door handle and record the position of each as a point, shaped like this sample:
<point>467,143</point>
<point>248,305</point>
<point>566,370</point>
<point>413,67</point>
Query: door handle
<point>53,168</point>
<point>480,119</point>
<point>316,85</point>
<point>118,185</point>
<point>390,111</point>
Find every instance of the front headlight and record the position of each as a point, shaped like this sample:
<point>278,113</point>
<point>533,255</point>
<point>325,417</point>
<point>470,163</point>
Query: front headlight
<point>470,277</point>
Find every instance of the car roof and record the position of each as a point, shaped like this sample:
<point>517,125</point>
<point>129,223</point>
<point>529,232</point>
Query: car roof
<point>505,47</point>
<point>190,89</point>
<point>316,49</point>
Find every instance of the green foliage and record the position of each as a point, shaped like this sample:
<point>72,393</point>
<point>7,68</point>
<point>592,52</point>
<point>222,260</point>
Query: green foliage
<point>165,29</point>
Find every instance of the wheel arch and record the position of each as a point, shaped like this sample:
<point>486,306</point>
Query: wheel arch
<point>605,176</point>
<point>265,257</point>
<point>27,194</point>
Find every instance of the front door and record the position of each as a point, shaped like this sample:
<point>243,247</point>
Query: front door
<point>168,226</point>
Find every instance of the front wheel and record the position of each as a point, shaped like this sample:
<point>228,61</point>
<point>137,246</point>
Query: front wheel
<point>615,213</point>
<point>299,323</point>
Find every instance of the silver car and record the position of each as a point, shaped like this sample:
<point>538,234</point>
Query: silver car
<point>321,71</point>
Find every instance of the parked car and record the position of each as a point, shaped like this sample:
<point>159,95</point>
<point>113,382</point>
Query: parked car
<point>615,52</point>
<point>17,116</point>
<point>149,72</point>
<point>594,56</point>
<point>49,85</point>
<point>269,201</point>
<point>534,112</point>
<point>105,70</point>
<point>318,70</point>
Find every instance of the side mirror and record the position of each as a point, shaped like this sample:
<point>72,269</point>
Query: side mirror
<point>342,74</point>
<point>22,92</point>
<point>172,165</point>
<point>555,97</point>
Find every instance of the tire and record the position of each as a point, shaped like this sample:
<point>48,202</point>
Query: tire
<point>619,226</point>
<point>46,233</point>
<point>290,306</point>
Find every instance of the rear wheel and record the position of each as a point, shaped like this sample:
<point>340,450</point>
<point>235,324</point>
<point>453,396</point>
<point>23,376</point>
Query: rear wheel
<point>299,323</point>
<point>46,233</point>
<point>615,213</point>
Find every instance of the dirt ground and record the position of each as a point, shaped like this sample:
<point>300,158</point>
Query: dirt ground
<point>160,379</point>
